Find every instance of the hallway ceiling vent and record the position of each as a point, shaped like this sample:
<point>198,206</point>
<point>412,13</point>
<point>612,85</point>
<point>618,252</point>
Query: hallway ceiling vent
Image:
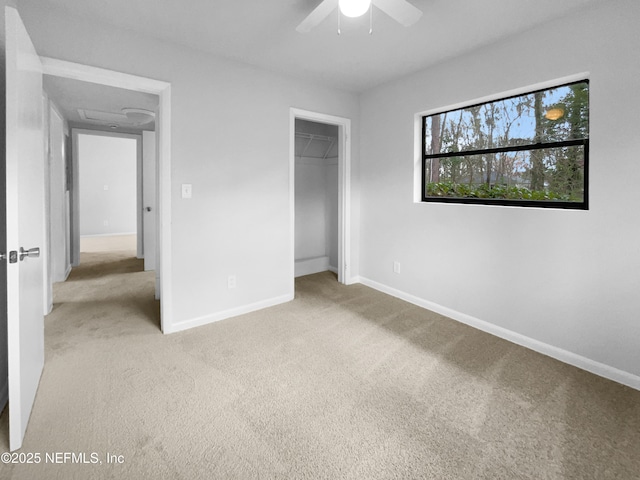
<point>102,117</point>
<point>129,117</point>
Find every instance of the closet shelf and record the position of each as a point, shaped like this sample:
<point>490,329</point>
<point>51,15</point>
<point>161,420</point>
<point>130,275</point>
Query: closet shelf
<point>314,146</point>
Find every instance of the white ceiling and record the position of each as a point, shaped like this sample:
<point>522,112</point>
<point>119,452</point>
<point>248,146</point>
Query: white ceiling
<point>262,32</point>
<point>71,95</point>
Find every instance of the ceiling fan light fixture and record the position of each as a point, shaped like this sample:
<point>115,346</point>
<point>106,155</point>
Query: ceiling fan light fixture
<point>354,8</point>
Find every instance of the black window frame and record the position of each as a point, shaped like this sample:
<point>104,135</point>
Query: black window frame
<point>584,205</point>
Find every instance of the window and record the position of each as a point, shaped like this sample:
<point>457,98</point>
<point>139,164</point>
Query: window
<point>526,150</point>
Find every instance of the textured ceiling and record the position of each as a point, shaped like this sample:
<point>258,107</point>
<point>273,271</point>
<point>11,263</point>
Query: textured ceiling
<point>262,33</point>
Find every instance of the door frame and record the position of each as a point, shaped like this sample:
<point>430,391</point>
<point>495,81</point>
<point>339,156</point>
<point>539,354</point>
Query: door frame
<point>51,110</point>
<point>148,168</point>
<point>85,73</point>
<point>344,189</point>
<point>75,204</point>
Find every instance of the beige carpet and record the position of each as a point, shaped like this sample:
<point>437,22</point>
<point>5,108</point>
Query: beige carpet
<point>342,383</point>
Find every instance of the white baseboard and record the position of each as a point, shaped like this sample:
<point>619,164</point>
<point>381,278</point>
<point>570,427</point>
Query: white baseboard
<point>565,356</point>
<point>333,269</point>
<point>308,266</point>
<point>232,312</point>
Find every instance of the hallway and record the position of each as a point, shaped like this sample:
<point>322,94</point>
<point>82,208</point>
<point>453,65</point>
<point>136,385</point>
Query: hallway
<point>108,288</point>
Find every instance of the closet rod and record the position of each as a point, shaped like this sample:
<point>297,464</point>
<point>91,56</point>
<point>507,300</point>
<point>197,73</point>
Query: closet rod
<point>313,136</point>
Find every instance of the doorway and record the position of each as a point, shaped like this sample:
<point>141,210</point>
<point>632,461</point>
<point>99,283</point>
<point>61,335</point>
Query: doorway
<point>320,167</point>
<point>25,224</point>
<point>108,200</point>
<point>316,178</point>
<point>99,76</point>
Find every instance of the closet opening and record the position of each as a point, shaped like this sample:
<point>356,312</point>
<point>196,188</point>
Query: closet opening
<point>320,195</point>
<point>317,152</point>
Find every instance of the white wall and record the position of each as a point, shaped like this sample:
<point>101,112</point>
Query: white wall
<point>238,220</point>
<point>108,184</point>
<point>311,222</point>
<point>567,279</point>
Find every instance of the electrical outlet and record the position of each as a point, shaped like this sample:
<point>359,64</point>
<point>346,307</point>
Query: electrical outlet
<point>396,267</point>
<point>106,187</point>
<point>106,223</point>
<point>231,281</point>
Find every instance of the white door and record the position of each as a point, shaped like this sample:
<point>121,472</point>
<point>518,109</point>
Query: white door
<point>25,224</point>
<point>149,198</point>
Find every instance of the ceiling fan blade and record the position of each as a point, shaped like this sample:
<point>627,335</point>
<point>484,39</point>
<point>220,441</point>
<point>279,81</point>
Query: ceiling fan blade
<point>400,10</point>
<point>321,12</point>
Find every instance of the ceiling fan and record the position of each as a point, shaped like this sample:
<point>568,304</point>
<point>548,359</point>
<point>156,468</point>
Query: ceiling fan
<point>400,10</point>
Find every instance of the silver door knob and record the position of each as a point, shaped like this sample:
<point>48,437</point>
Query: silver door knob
<point>31,253</point>
<point>148,209</point>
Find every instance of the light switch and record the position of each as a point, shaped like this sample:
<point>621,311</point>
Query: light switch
<point>186,190</point>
